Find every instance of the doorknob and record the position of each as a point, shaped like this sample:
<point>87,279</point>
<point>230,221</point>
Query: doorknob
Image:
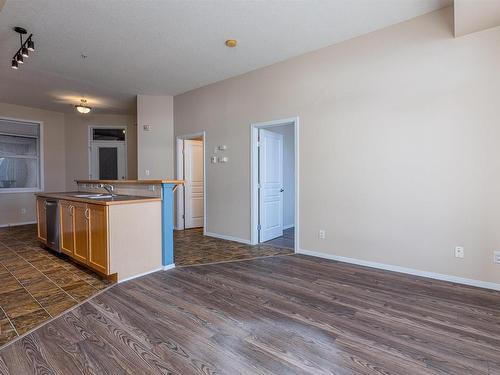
<point>282,190</point>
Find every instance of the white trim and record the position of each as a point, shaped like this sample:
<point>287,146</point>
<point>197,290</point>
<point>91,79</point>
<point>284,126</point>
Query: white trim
<point>17,224</point>
<point>254,172</point>
<point>40,160</point>
<point>140,275</point>
<point>91,141</point>
<point>168,267</point>
<point>179,192</point>
<point>409,271</point>
<point>180,176</point>
<point>229,238</point>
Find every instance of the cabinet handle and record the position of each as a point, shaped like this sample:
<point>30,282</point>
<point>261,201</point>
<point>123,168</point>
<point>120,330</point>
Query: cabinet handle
<point>87,216</point>
<point>71,209</point>
<point>44,205</point>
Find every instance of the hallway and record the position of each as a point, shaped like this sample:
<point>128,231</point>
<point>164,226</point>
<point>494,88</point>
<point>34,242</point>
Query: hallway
<point>191,247</point>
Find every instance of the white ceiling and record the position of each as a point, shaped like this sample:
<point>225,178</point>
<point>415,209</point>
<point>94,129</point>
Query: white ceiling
<point>167,47</point>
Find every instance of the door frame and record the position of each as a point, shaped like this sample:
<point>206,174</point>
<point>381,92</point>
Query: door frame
<point>90,141</point>
<point>179,173</point>
<point>254,175</point>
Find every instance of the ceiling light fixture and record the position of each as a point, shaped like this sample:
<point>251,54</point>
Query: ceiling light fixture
<point>83,107</point>
<point>231,43</point>
<point>26,46</point>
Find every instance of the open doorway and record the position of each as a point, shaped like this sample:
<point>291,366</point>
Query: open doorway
<point>274,208</point>
<point>190,197</point>
<point>108,152</point>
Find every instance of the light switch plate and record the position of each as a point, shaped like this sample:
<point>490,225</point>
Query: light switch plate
<point>459,252</point>
<point>496,257</point>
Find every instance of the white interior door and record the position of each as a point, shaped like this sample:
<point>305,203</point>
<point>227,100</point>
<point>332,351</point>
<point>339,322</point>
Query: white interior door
<point>193,184</point>
<point>270,185</point>
<point>179,192</point>
<point>108,161</point>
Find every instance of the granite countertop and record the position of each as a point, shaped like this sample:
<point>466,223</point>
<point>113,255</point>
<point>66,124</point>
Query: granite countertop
<point>119,199</point>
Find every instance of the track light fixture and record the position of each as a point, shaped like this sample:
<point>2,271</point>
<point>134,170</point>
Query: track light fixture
<point>23,51</point>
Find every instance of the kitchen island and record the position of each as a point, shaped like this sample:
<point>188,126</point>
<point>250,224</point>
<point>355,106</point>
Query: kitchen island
<point>119,235</point>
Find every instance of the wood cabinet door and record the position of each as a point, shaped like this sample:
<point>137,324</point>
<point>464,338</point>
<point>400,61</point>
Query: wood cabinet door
<point>80,231</point>
<point>98,238</point>
<point>41,220</point>
<point>66,210</point>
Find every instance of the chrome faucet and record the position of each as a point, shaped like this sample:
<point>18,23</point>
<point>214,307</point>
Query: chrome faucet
<point>109,188</point>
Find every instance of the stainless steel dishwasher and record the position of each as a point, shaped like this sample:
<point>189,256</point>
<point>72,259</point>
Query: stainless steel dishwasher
<point>52,220</point>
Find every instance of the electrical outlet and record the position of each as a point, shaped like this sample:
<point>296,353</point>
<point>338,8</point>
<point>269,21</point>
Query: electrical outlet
<point>223,159</point>
<point>459,252</point>
<point>147,172</point>
<point>496,257</point>
<point>23,211</point>
<point>322,234</point>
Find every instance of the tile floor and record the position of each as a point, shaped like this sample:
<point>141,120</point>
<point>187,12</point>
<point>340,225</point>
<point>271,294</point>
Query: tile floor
<point>37,284</point>
<point>191,247</point>
<point>287,240</point>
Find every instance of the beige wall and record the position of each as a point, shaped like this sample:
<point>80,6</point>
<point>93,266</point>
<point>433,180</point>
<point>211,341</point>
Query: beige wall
<point>155,148</point>
<point>475,15</point>
<point>77,154</point>
<point>53,162</point>
<point>399,145</point>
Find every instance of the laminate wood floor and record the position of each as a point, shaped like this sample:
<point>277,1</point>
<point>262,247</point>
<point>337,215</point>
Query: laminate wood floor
<point>277,315</point>
<point>287,240</point>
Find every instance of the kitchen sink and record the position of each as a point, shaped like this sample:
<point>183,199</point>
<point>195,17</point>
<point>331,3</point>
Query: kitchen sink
<point>103,196</point>
<point>94,196</point>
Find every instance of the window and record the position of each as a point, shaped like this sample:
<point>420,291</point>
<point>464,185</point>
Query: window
<point>109,134</point>
<point>20,169</point>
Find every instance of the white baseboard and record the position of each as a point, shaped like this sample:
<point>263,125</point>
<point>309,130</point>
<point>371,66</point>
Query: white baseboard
<point>288,226</point>
<point>409,271</point>
<point>229,238</point>
<point>168,267</point>
<point>141,274</point>
<point>17,224</point>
